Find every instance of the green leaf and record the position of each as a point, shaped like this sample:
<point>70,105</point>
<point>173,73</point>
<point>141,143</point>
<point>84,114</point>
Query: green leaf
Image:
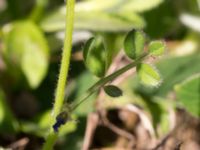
<point>108,21</point>
<point>173,74</point>
<point>8,122</point>
<point>95,56</point>
<point>27,49</point>
<point>157,48</point>
<point>113,44</point>
<point>88,20</point>
<point>134,44</point>
<point>85,80</point>
<point>113,91</point>
<point>118,5</point>
<point>87,47</point>
<point>148,75</point>
<point>188,93</point>
<point>140,5</point>
<point>113,15</point>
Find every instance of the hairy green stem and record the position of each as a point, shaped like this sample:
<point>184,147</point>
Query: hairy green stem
<point>60,90</point>
<point>109,78</point>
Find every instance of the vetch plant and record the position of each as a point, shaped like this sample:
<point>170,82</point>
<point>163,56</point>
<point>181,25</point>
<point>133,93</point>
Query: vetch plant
<point>30,41</point>
<point>95,58</point>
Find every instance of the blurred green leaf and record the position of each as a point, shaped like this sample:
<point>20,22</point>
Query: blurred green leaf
<point>140,6</point>
<point>98,15</point>
<point>173,70</point>
<point>119,5</point>
<point>188,93</point>
<point>176,69</point>
<point>161,116</point>
<point>87,48</point>
<point>95,56</point>
<point>107,21</point>
<point>113,44</point>
<point>113,90</point>
<point>27,49</point>
<point>157,48</point>
<point>134,44</point>
<point>8,124</point>
<point>74,141</point>
<point>162,21</point>
<point>83,82</point>
<point>148,75</point>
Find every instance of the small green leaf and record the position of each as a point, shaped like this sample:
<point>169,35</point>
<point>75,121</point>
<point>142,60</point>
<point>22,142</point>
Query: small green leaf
<point>95,56</point>
<point>148,75</point>
<point>134,44</point>
<point>27,50</point>
<point>113,91</point>
<point>157,48</point>
<point>188,93</point>
<point>113,44</point>
<point>87,47</point>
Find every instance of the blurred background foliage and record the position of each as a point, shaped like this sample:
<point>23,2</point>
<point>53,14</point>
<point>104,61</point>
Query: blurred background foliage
<point>31,40</point>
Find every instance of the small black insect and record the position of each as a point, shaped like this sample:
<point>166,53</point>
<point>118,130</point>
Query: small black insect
<point>61,119</point>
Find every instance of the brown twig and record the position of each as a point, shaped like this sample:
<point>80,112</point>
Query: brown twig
<point>116,129</point>
<point>92,122</point>
<point>20,144</point>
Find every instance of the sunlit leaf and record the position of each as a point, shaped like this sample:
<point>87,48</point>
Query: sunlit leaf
<point>140,5</point>
<point>86,20</point>
<point>113,15</point>
<point>134,44</point>
<point>125,5</point>
<point>157,48</point>
<point>27,49</point>
<point>148,75</point>
<point>108,22</point>
<point>188,93</point>
<point>95,56</point>
<point>113,91</point>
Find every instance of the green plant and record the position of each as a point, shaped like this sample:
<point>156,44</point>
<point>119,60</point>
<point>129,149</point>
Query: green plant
<point>59,95</point>
<point>30,46</point>
<point>95,59</point>
<point>27,52</point>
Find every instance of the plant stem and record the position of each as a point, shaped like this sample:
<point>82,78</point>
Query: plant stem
<point>60,90</point>
<point>38,10</point>
<point>107,79</point>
